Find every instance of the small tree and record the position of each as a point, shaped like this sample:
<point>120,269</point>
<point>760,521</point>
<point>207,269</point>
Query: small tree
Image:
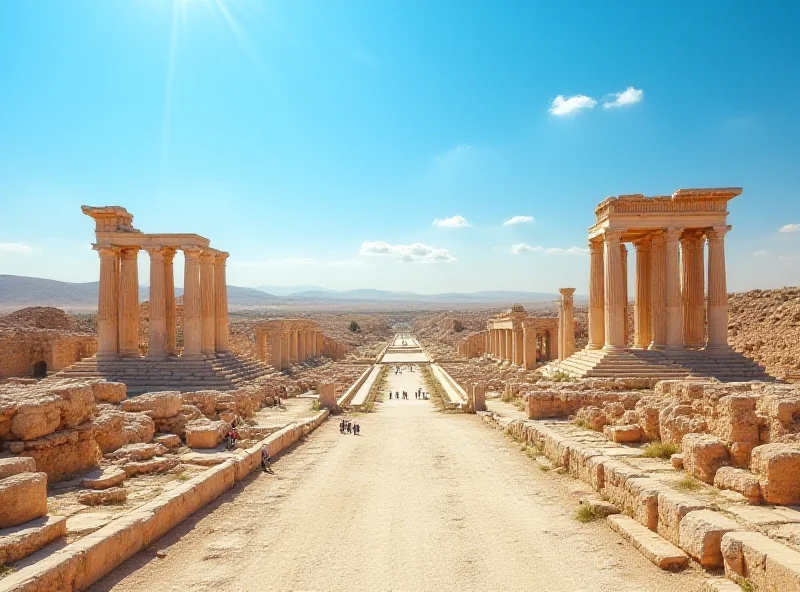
<point>354,327</point>
<point>458,326</point>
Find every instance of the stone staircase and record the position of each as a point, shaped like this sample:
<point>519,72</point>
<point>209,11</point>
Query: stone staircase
<point>724,365</point>
<point>141,375</point>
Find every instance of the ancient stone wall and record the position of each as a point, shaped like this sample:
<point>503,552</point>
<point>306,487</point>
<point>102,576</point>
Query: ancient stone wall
<point>23,347</point>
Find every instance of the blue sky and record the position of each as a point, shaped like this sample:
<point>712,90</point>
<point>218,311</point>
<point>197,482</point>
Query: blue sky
<point>318,142</point>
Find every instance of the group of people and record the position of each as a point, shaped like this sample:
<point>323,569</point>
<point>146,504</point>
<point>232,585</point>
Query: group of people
<point>418,394</point>
<point>232,435</point>
<point>347,426</point>
<point>399,369</point>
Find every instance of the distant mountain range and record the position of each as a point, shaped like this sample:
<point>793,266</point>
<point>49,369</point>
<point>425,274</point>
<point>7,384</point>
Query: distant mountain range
<point>20,291</point>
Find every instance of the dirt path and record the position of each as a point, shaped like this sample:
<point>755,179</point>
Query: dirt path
<point>420,501</point>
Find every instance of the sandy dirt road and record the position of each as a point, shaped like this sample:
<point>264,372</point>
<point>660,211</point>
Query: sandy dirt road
<point>420,501</point>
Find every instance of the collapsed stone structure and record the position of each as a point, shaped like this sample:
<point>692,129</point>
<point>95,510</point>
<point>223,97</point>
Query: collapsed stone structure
<point>669,234</point>
<point>38,340</point>
<point>283,342</point>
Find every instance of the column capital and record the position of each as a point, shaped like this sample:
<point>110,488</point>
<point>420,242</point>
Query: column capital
<point>566,291</point>
<point>643,244</point>
<point>672,235</point>
<point>106,251</point>
<point>717,232</point>
<point>156,252</point>
<point>207,256</point>
<point>129,252</point>
<point>612,234</point>
<point>220,258</point>
<point>595,245</point>
<point>169,254</point>
<point>192,252</point>
<point>657,238</point>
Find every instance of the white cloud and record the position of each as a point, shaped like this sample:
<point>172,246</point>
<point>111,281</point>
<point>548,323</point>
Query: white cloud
<point>452,222</point>
<point>790,228</point>
<point>788,257</point>
<point>562,105</point>
<point>15,248</point>
<point>525,248</point>
<point>629,96</point>
<point>413,253</point>
<point>761,253</point>
<point>518,220</point>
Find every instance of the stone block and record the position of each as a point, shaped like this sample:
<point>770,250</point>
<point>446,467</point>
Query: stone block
<point>662,553</point>
<point>15,466</point>
<point>62,454</point>
<point>157,464</point>
<point>137,452</point>
<point>157,405</point>
<point>109,392</point>
<point>168,440</point>
<point>105,479</point>
<point>739,480</point>
<point>17,542</point>
<point>327,396</point>
<point>672,507</point>
<point>624,433</point>
<point>701,533</point>
<point>677,461</point>
<point>114,429</point>
<point>105,497</point>
<point>703,454</point>
<point>204,433</point>
<point>766,564</point>
<point>23,497</point>
<point>777,467</point>
<point>205,401</point>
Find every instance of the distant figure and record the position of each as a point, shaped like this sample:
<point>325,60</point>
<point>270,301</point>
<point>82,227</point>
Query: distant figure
<point>265,460</point>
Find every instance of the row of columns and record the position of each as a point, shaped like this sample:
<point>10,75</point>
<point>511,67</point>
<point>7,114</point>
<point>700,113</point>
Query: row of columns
<point>521,347</point>
<point>671,308</point>
<point>205,302</point>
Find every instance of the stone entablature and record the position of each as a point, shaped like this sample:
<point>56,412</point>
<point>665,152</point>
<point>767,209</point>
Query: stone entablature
<point>669,235</point>
<point>205,319</point>
<point>283,342</point>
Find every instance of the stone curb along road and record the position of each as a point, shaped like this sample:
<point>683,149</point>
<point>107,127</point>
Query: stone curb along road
<point>78,565</point>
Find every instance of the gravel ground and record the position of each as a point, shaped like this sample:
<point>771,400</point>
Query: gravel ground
<point>421,500</point>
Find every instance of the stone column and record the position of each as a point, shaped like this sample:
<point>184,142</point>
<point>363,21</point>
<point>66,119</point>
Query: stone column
<point>519,346</point>
<point>108,303</point>
<point>673,298</point>
<point>171,312</point>
<point>157,307</point>
<point>529,348</point>
<point>623,251</point>
<point>301,345</point>
<point>509,345</point>
<point>320,344</point>
<point>596,296</point>
<point>192,339</point>
<point>658,293</point>
<point>566,326</point>
<point>693,295</point>
<point>207,323</point>
<point>614,291</point>
<point>293,353</point>
<point>286,346</point>
<point>643,334</point>
<point>221,342</point>
<point>717,289</point>
<point>129,302</point>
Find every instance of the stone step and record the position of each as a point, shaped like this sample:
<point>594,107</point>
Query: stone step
<point>20,541</point>
<point>657,549</point>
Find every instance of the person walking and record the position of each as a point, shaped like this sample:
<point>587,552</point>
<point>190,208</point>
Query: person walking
<point>265,460</point>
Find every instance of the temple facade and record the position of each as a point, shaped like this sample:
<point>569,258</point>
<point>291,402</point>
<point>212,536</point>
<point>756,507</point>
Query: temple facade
<point>669,235</point>
<point>284,342</point>
<point>205,297</point>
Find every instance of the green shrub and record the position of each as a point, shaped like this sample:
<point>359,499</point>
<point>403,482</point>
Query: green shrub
<point>586,513</point>
<point>658,449</point>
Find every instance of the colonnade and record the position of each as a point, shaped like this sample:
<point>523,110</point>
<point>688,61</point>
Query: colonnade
<point>284,342</point>
<point>205,302</point>
<point>472,346</point>
<point>671,309</point>
<point>205,292</point>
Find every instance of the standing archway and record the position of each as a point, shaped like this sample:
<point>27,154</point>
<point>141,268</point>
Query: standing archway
<point>39,369</point>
